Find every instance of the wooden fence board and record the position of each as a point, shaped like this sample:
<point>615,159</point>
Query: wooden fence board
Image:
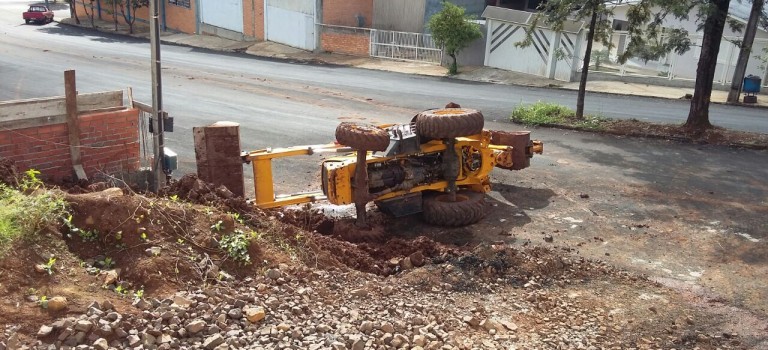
<point>19,114</point>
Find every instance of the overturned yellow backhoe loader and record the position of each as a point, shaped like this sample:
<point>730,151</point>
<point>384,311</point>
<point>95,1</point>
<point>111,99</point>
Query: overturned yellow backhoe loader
<point>438,164</point>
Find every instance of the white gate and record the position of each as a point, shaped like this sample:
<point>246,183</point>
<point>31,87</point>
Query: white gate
<point>405,46</point>
<point>291,23</point>
<point>227,14</point>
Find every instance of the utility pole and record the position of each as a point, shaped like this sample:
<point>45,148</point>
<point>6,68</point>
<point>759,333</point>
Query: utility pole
<point>157,99</point>
<point>746,50</point>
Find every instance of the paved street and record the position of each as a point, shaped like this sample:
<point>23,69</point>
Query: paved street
<point>276,98</point>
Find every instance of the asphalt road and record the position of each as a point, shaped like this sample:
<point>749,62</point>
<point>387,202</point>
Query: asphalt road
<point>277,103</point>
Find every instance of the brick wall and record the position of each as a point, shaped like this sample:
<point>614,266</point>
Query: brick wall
<point>177,18</point>
<point>253,19</point>
<point>109,144</point>
<point>349,41</point>
<point>346,13</point>
<point>181,18</point>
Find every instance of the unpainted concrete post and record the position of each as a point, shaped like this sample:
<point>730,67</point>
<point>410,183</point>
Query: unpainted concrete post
<point>552,60</point>
<point>217,151</point>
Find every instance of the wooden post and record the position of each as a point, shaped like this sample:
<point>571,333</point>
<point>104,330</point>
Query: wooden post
<point>73,124</point>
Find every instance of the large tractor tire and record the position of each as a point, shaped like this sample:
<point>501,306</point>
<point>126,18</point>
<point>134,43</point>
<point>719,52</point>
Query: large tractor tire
<point>449,123</point>
<point>469,208</point>
<point>362,136</point>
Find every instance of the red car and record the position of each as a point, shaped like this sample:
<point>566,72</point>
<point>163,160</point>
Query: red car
<point>39,14</point>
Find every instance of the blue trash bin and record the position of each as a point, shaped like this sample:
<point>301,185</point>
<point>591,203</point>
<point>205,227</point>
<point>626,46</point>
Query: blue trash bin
<point>751,84</point>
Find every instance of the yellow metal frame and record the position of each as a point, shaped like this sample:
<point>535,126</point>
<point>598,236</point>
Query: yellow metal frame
<point>338,177</point>
<point>263,181</point>
<point>339,184</point>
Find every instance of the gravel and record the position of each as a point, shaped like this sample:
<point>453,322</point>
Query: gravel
<point>302,308</point>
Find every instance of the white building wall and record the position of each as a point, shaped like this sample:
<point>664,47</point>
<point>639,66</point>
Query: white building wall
<point>684,66</point>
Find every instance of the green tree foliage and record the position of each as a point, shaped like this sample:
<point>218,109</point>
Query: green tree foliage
<point>555,13</point>
<point>650,39</point>
<point>453,30</point>
<point>646,28</point>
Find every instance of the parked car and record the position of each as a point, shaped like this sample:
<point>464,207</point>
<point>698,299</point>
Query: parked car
<point>39,14</point>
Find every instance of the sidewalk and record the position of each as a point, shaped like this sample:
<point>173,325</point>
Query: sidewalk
<point>473,73</point>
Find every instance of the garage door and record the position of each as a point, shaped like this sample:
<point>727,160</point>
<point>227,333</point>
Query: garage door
<point>227,14</point>
<point>291,22</point>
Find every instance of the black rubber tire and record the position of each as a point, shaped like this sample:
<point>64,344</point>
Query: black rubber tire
<point>362,136</point>
<point>469,208</point>
<point>449,123</point>
<point>26,21</point>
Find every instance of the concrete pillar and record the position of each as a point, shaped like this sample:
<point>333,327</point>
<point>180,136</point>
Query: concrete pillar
<point>580,37</point>
<point>554,46</point>
<point>217,151</point>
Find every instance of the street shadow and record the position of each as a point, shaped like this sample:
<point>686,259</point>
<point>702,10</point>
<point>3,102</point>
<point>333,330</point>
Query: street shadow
<point>702,182</point>
<point>503,215</point>
<point>92,34</point>
<point>522,197</point>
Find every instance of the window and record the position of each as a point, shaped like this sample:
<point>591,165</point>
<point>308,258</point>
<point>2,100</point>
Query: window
<point>182,3</point>
<point>619,25</point>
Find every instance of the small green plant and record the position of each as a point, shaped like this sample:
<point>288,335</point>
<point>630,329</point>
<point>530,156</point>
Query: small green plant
<point>43,302</point>
<point>180,241</point>
<point>174,198</point>
<point>120,289</point>
<point>139,293</point>
<point>48,266</point>
<point>217,226</point>
<point>143,236</point>
<point>257,235</point>
<point>237,218</point>
<point>236,246</point>
<point>107,263</point>
<point>30,181</point>
<point>85,235</point>
<point>88,236</point>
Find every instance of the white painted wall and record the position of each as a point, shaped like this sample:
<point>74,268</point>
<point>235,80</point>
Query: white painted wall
<point>227,14</point>
<point>303,6</point>
<point>502,53</point>
<point>538,58</point>
<point>292,28</point>
<point>684,66</point>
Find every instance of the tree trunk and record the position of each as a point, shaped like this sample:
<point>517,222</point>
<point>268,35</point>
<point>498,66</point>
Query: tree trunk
<point>698,117</point>
<point>454,68</point>
<point>89,14</point>
<point>73,11</point>
<point>585,66</point>
<point>114,12</point>
<point>746,50</point>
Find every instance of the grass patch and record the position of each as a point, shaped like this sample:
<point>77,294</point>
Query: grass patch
<point>23,216</point>
<point>554,115</point>
<point>548,114</point>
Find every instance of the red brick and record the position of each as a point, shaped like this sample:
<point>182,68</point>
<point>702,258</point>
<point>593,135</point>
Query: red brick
<point>345,12</point>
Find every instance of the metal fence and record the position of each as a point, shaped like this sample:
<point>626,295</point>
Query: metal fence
<point>405,46</point>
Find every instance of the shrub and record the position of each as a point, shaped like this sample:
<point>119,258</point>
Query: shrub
<point>24,216</point>
<point>543,113</point>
